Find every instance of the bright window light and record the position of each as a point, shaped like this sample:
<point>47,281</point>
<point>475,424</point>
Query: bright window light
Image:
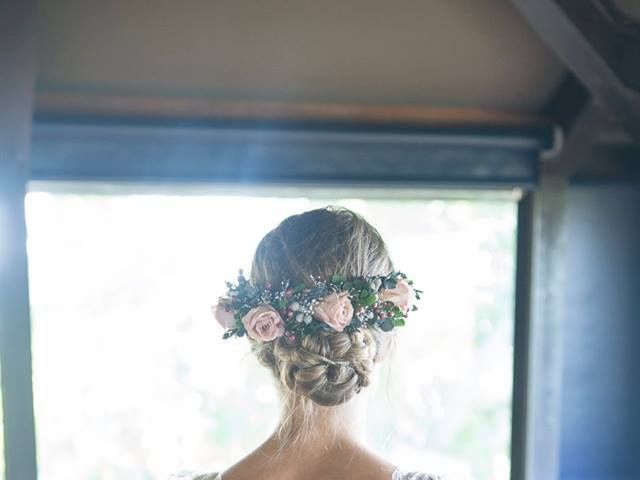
<point>132,380</point>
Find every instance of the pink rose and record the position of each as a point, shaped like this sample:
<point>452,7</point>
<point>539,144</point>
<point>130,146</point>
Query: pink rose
<point>263,323</point>
<point>335,310</point>
<point>402,296</point>
<point>223,314</point>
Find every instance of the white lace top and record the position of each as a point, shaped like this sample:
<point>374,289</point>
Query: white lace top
<point>397,475</point>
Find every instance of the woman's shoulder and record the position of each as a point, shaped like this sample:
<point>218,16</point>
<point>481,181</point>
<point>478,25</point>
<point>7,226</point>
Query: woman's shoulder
<point>397,475</point>
<point>402,475</point>
<point>194,476</point>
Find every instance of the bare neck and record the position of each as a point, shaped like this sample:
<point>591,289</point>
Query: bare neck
<point>331,447</point>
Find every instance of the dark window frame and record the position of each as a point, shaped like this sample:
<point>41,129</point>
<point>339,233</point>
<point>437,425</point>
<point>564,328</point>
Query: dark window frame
<point>95,150</point>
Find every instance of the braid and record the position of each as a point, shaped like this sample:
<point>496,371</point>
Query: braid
<point>328,368</point>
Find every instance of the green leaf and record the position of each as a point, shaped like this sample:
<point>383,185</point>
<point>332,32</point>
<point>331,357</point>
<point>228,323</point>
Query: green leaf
<point>338,279</point>
<point>369,299</point>
<point>390,283</point>
<point>398,322</point>
<point>386,325</point>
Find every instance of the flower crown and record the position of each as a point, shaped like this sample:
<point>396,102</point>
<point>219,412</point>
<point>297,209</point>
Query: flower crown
<point>340,304</point>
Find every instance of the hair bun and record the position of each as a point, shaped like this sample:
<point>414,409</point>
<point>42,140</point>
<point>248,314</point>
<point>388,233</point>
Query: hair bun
<point>328,368</point>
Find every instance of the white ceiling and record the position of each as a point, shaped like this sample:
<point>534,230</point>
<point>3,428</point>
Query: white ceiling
<point>470,53</point>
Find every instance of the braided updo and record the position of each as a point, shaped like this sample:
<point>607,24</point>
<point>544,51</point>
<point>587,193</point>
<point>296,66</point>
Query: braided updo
<point>327,368</point>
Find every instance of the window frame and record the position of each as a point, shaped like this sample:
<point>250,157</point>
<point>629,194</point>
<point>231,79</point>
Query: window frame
<point>64,149</point>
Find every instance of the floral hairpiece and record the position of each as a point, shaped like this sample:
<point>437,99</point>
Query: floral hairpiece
<point>340,304</point>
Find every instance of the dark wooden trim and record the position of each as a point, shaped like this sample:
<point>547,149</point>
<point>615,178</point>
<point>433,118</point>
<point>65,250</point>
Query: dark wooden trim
<point>610,163</point>
<point>17,67</point>
<point>80,137</point>
<point>579,145</point>
<point>120,152</point>
<point>521,338</point>
<point>580,46</point>
<point>60,105</point>
<point>613,35</point>
<point>544,382</point>
<point>566,103</point>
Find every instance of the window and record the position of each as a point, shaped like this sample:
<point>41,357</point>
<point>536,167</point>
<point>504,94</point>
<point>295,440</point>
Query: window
<point>132,381</point>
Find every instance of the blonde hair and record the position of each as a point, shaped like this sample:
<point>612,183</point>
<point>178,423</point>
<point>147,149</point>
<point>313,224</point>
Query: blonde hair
<point>328,368</point>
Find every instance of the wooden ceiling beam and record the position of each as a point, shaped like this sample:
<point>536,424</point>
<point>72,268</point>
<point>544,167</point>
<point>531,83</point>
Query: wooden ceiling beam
<point>584,45</point>
<point>567,103</point>
<point>60,106</point>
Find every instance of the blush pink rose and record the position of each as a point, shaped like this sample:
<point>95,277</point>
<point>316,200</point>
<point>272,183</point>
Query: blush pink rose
<point>263,323</point>
<point>402,296</point>
<point>335,310</point>
<point>223,314</point>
